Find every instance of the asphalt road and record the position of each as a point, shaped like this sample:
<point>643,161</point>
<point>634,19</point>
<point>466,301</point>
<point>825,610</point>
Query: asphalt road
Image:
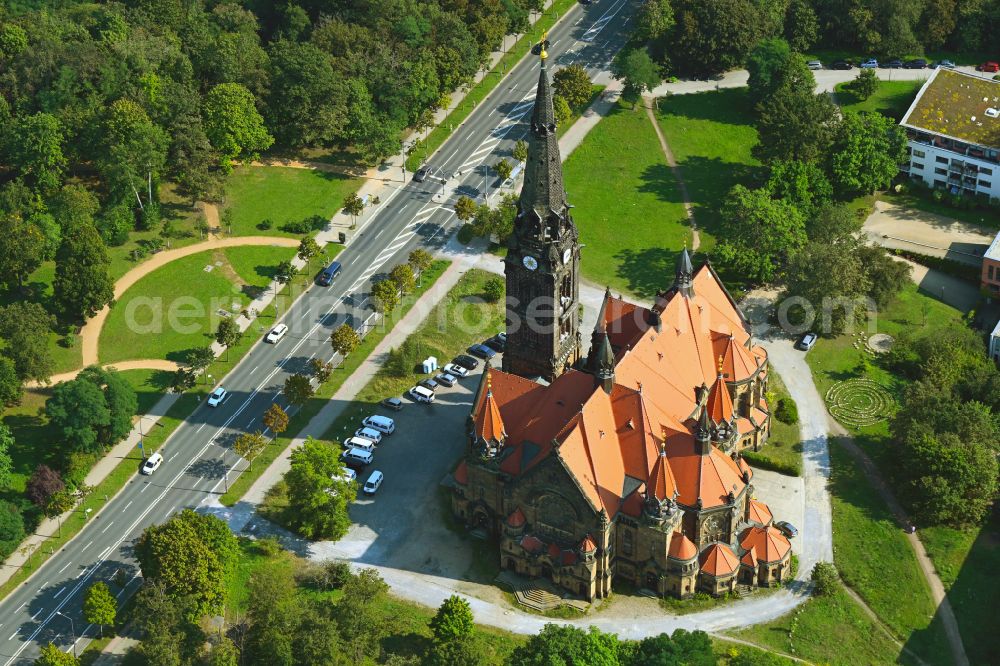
<point>198,462</point>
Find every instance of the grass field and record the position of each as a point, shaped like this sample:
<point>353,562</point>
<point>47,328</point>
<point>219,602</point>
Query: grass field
<point>826,630</point>
<point>161,316</point>
<point>281,195</point>
<point>892,99</point>
<point>711,135</point>
<point>783,451</point>
<point>627,205</point>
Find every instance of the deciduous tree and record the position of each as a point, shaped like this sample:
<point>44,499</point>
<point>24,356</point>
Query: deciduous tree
<point>759,233</point>
<point>793,122</point>
<point>228,333</point>
<point>385,295</point>
<point>51,655</point>
<point>82,284</point>
<point>866,153</point>
<point>361,623</point>
<point>691,648</point>
<point>249,445</point>
<point>503,169</point>
<point>573,85</point>
<point>520,152</point>
<point>654,19</point>
<point>353,206</point>
<point>25,327</point>
<point>22,248</point>
<point>465,208</point>
<point>100,607</point>
<point>801,25</point>
<point>34,147</point>
<point>637,72</point>
<point>344,339</point>
<point>420,259</point>
<point>559,644</point>
<point>712,37</point>
<point>825,579</point>
<point>11,388</point>
<point>453,620</point>
<point>318,493</point>
<point>78,410</point>
<point>6,464</point>
<point>275,418</point>
<point>298,389</point>
<point>199,358</point>
<point>402,275</point>
<point>802,184</point>
<point>43,483</point>
<point>308,249</point>
<point>233,124</point>
<point>865,84</point>
<point>321,370</point>
<point>11,526</point>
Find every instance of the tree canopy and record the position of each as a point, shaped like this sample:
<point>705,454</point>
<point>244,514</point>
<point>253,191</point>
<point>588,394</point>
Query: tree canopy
<point>318,493</point>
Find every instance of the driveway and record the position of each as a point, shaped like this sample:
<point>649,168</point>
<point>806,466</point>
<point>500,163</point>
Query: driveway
<point>906,228</point>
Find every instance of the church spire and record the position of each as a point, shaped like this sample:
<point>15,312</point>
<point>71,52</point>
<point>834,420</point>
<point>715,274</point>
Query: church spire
<point>685,274</point>
<point>603,362</point>
<point>543,212</point>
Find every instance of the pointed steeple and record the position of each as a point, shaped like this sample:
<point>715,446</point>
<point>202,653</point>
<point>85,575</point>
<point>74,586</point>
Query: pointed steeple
<point>603,359</point>
<point>543,213</point>
<point>489,426</point>
<point>685,274</point>
<point>719,404</point>
<point>703,434</point>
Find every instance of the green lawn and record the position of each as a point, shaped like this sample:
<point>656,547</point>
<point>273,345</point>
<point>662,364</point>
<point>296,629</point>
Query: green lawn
<point>282,195</point>
<point>874,558</point>
<point>711,135</point>
<point>595,92</point>
<point>257,265</point>
<point>783,451</point>
<point>892,99</point>
<point>149,385</point>
<point>826,630</point>
<point>627,205</point>
<point>186,320</point>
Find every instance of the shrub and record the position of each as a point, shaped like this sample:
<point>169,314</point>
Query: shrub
<point>787,411</point>
<point>309,224</point>
<point>11,528</point>
<point>326,576</point>
<point>494,289</point>
<point>264,225</point>
<point>825,578</point>
<point>269,547</point>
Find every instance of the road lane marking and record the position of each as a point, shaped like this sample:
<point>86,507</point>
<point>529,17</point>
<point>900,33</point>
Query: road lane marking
<point>12,636</point>
<point>251,423</point>
<point>200,427</point>
<point>127,506</point>
<point>65,566</point>
<point>107,527</point>
<point>21,606</point>
<point>144,486</point>
<point>37,613</point>
<point>59,592</point>
<point>42,586</point>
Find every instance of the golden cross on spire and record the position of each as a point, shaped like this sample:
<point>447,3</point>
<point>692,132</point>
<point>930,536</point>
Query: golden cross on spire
<point>543,54</point>
<point>720,365</point>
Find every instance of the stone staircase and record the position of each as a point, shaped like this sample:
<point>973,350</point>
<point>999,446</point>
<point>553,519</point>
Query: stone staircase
<point>539,594</point>
<point>743,590</point>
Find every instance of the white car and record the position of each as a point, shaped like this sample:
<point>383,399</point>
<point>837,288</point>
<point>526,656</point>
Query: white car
<point>814,64</point>
<point>373,482</point>
<point>347,475</point>
<point>152,463</point>
<point>455,370</point>
<point>369,433</point>
<point>276,333</point>
<point>217,396</point>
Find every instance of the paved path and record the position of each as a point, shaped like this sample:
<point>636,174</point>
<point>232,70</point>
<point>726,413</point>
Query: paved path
<point>902,227</point>
<point>955,292</point>
<point>91,331</point>
<point>675,170</point>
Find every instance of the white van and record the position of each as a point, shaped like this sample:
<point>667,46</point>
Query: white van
<point>347,475</point>
<point>359,443</point>
<point>369,433</point>
<point>357,457</point>
<point>373,482</point>
<point>422,394</point>
<point>383,424</point>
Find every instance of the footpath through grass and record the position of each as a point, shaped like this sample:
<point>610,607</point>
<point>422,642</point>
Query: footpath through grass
<point>424,148</point>
<point>827,630</point>
<point>627,204</point>
<point>301,418</point>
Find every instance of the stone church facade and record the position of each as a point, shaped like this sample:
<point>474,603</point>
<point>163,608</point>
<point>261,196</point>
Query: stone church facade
<point>621,460</point>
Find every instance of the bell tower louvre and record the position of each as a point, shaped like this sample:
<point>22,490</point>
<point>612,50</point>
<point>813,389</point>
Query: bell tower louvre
<point>542,266</point>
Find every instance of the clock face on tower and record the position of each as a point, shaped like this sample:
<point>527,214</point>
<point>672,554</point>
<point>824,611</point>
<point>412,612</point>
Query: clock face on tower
<point>530,262</point>
<point>567,255</point>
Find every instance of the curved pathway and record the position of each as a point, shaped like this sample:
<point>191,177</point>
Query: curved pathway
<point>141,364</point>
<point>91,332</point>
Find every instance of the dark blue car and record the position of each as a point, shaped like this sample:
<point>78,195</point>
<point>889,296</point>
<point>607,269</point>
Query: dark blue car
<point>482,351</point>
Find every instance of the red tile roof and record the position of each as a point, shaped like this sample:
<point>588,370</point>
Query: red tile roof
<point>554,551</point>
<point>588,545</point>
<point>681,548</point>
<point>750,558</point>
<point>770,544</point>
<point>517,518</point>
<point>759,512</point>
<point>462,473</point>
<point>489,425</point>
<point>531,543</point>
<point>719,403</point>
<point>719,560</point>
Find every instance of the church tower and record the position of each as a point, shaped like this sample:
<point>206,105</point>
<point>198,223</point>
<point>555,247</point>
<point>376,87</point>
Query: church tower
<point>542,266</point>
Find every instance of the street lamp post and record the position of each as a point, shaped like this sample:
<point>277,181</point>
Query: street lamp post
<point>72,628</point>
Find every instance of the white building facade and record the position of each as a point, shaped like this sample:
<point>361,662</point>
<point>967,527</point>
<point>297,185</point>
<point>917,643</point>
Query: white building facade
<point>953,132</point>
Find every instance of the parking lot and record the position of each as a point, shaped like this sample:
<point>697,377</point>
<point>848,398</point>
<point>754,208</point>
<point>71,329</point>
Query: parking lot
<point>403,525</point>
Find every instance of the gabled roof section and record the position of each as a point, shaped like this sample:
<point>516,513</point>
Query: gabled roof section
<point>769,544</point>
<point>719,560</point>
<point>719,403</point>
<point>759,513</point>
<point>954,104</point>
<point>750,558</point>
<point>488,425</point>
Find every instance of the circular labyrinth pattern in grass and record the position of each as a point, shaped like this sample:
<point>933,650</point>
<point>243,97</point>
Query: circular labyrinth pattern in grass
<point>860,402</point>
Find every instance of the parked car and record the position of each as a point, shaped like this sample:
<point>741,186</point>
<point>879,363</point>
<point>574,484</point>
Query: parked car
<point>870,63</point>
<point>465,361</point>
<point>383,424</point>
<point>357,458</point>
<point>989,66</point>
<point>815,64</point>
<point>444,379</point>
<point>428,384</point>
<point>895,63</point>
<point>360,444</point>
<point>276,333</point>
<point>455,370</point>
<point>806,342</point>
<point>369,433</point>
<point>421,394</point>
<point>482,351</point>
<point>421,174</point>
<point>842,64</point>
<point>496,344</point>
<point>347,475</point>
<point>395,404</point>
<point>947,64</point>
<point>152,463</point>
<point>373,482</point>
<point>916,63</point>
<point>787,529</point>
<point>216,397</point>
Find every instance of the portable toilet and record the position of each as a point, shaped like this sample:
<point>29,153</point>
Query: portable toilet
<point>430,364</point>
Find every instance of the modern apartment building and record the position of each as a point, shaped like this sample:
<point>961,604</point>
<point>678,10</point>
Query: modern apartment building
<point>953,127</point>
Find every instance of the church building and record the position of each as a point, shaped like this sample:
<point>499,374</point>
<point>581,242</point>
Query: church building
<point>621,460</point>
